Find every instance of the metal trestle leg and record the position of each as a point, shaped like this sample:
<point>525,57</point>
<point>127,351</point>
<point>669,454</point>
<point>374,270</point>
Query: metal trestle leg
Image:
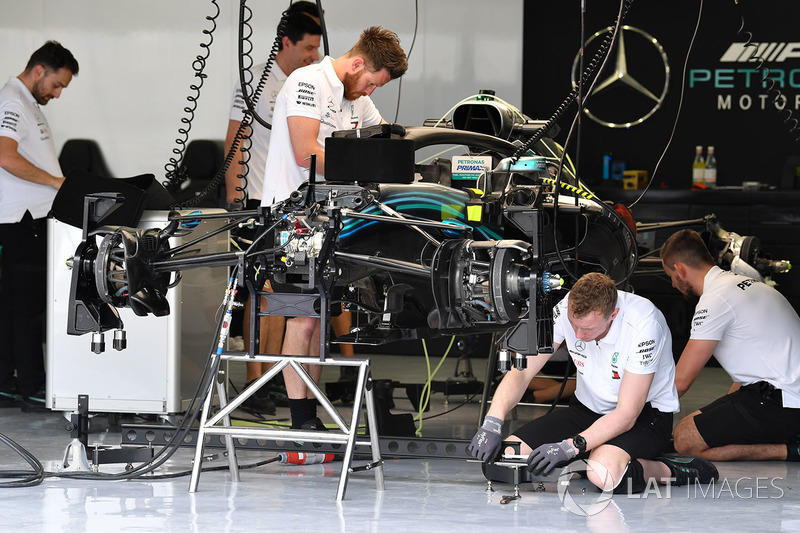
<point>219,422</point>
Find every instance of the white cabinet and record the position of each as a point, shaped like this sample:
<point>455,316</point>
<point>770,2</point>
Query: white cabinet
<point>159,370</point>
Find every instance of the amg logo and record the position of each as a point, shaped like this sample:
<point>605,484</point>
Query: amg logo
<point>770,52</point>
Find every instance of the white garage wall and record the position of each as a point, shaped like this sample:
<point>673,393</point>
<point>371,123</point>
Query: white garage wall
<point>135,59</point>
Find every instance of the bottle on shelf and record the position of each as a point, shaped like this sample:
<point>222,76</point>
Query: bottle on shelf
<point>710,173</point>
<point>698,168</point>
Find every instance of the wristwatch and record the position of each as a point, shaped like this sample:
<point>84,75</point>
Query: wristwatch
<point>579,443</point>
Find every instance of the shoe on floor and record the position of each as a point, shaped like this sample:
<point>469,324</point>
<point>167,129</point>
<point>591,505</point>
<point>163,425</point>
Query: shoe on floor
<point>35,403</point>
<point>260,401</point>
<point>690,469</point>
<point>9,399</point>
<point>315,424</point>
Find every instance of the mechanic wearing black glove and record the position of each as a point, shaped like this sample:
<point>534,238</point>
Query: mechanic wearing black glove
<point>486,442</point>
<point>621,414</point>
<point>543,459</point>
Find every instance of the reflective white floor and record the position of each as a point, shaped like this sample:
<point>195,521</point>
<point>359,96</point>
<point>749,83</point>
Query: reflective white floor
<point>420,494</point>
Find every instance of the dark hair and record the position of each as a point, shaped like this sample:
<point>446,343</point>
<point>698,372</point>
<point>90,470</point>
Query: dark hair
<point>381,49</point>
<point>299,21</point>
<point>309,8</point>
<point>687,247</point>
<point>593,292</point>
<point>53,56</point>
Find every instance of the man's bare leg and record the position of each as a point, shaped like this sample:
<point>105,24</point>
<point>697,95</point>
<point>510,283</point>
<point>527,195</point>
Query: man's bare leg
<point>688,441</point>
<point>302,339</point>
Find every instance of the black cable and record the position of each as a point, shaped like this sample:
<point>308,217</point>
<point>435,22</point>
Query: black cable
<point>243,132</point>
<point>29,479</point>
<point>206,381</point>
<point>586,75</point>
<point>567,373</point>
<point>244,22</point>
<point>579,117</point>
<point>459,406</point>
<point>186,424</point>
<point>183,473</point>
<point>176,173</point>
<point>680,107</point>
<point>771,86</point>
<point>321,14</point>
<point>608,43</point>
<point>408,57</point>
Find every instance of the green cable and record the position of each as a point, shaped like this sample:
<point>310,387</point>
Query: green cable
<point>425,396</point>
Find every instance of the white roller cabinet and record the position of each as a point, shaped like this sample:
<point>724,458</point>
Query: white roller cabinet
<point>159,370</point>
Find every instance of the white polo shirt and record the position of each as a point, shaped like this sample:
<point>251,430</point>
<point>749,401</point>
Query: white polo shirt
<point>21,119</point>
<point>638,341</point>
<point>314,92</point>
<point>260,136</point>
<point>757,329</point>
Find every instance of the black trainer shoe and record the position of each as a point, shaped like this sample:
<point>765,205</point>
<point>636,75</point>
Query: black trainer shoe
<point>277,393</point>
<point>9,399</point>
<point>793,450</point>
<point>348,373</point>
<point>35,403</point>
<point>260,401</point>
<point>315,424</point>
<point>690,469</point>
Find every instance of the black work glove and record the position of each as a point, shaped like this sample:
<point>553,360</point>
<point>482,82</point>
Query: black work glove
<point>487,440</point>
<point>543,459</point>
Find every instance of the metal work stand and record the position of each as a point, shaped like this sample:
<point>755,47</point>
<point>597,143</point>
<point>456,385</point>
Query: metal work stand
<point>220,424</point>
<point>320,272</point>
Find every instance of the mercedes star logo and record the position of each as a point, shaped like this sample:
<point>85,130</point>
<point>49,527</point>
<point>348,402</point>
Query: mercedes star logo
<point>621,77</point>
<point>580,345</point>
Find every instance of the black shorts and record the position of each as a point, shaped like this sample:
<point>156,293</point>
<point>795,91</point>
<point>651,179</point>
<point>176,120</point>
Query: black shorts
<point>649,436</point>
<point>754,414</point>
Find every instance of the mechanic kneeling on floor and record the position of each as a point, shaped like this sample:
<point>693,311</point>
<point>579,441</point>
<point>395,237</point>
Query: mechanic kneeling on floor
<point>754,333</point>
<point>621,414</point>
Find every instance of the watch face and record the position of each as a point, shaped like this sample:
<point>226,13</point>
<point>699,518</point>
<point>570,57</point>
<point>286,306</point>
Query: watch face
<point>579,442</point>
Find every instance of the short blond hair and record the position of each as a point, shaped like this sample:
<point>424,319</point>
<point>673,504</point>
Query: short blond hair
<point>593,292</point>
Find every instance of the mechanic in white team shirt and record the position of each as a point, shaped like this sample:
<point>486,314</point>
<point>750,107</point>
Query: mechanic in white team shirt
<point>754,333</point>
<point>30,176</point>
<point>299,47</point>
<point>319,99</point>
<point>621,414</point>
<point>316,101</point>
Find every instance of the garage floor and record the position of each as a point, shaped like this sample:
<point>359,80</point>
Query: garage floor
<point>420,494</point>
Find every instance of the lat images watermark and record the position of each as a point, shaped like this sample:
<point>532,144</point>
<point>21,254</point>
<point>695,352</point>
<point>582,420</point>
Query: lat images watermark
<point>744,488</point>
<point>583,502</point>
<point>577,501</point>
